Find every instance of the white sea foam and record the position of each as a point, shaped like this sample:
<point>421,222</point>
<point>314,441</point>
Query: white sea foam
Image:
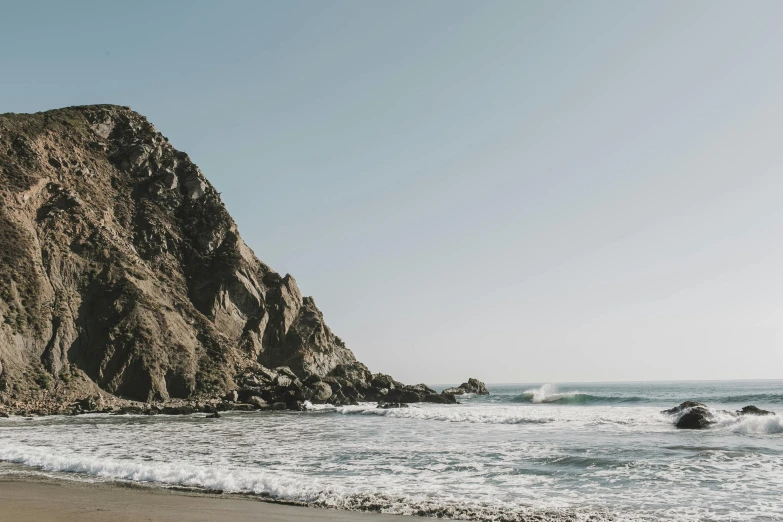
<point>748,424</point>
<point>181,474</point>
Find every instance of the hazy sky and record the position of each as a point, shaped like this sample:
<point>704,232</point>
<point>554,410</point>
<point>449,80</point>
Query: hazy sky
<point>516,191</point>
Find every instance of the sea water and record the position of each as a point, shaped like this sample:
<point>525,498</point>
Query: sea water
<point>566,452</point>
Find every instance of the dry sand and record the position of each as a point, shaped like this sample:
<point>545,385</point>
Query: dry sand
<point>24,499</point>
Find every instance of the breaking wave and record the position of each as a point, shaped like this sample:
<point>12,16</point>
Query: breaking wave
<point>747,424</point>
<point>286,488</point>
<point>548,393</point>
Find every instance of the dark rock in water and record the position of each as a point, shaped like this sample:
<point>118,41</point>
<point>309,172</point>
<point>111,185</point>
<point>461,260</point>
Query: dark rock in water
<point>279,406</point>
<point>294,405</point>
<point>402,395</point>
<point>178,410</point>
<point>421,388</point>
<point>389,405</point>
<point>684,406</point>
<point>753,410</point>
<point>3,414</point>
<point>695,418</point>
<point>214,415</point>
<point>453,391</point>
<point>474,386</point>
<point>440,398</point>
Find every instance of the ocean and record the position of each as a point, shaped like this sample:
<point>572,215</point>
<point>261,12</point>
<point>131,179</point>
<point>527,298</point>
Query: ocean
<point>526,452</point>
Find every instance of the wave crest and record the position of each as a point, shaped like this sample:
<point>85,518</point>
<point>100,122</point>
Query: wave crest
<point>549,394</point>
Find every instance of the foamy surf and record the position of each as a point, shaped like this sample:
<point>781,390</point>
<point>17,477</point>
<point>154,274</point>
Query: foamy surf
<point>489,458</point>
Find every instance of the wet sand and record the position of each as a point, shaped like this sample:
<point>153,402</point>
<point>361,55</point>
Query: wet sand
<point>28,499</point>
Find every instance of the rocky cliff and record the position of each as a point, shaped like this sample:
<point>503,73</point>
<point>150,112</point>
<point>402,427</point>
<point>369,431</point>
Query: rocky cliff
<point>123,278</point>
<point>121,270</point>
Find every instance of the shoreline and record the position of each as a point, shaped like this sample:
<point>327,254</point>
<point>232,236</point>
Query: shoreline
<point>27,498</point>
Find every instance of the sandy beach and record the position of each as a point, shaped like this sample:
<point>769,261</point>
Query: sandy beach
<point>25,499</point>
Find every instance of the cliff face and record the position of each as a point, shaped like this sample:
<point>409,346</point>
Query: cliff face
<point>121,269</point>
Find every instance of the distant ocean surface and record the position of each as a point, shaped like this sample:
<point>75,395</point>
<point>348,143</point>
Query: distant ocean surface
<point>568,452</point>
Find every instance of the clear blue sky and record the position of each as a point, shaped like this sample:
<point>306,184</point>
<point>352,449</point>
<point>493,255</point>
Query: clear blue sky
<point>517,191</point>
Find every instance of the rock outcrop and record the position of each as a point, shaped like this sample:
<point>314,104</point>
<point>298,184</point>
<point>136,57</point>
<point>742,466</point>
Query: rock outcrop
<point>123,275</point>
<point>692,415</point>
<point>474,386</point>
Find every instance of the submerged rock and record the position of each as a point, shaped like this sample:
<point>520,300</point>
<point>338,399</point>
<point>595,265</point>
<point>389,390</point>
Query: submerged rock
<point>753,410</point>
<point>695,418</point>
<point>391,405</point>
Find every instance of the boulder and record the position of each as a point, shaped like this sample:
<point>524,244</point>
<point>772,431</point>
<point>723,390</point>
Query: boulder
<point>245,393</point>
<point>453,391</point>
<point>421,388</point>
<point>231,396</point>
<point>440,398</point>
<point>322,392</point>
<point>753,410</point>
<point>695,418</point>
<point>184,409</point>
<point>381,380</point>
<point>266,374</point>
<point>258,402</point>
<point>474,386</point>
<point>91,403</point>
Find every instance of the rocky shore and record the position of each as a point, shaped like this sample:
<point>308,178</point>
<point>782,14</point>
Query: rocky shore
<point>260,389</point>
<point>691,415</point>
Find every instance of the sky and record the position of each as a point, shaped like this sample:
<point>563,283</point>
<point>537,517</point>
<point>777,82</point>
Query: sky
<point>515,191</point>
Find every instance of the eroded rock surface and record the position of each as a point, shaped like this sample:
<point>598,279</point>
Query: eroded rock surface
<point>124,281</point>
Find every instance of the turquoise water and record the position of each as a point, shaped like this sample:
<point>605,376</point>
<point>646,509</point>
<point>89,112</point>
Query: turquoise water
<point>565,452</point>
